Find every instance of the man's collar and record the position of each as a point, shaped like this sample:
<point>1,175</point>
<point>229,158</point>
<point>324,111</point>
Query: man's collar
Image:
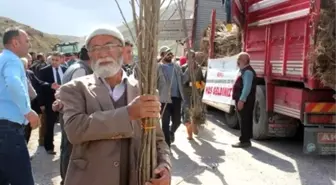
<point>171,63</point>
<point>7,51</point>
<point>124,75</point>
<point>245,66</point>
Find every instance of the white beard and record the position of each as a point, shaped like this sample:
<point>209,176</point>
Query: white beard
<point>106,70</point>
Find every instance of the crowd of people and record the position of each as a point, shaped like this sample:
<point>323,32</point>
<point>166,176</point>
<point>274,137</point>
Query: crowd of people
<point>95,98</point>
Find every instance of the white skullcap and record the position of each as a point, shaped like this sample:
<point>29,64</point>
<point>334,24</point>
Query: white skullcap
<point>164,49</point>
<point>106,30</point>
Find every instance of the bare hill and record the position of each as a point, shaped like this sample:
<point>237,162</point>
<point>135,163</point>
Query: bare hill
<point>41,42</point>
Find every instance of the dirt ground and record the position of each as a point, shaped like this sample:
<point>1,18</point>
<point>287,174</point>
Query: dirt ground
<point>210,159</point>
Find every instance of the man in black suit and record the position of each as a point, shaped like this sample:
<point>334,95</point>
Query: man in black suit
<point>52,74</point>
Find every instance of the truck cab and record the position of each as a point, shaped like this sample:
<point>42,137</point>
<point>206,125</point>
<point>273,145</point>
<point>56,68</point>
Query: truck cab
<point>67,48</point>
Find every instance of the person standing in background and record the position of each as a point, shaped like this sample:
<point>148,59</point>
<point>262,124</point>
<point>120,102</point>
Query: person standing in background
<point>244,91</point>
<point>187,87</point>
<point>36,103</point>
<point>38,86</point>
<point>183,60</point>
<point>171,93</point>
<point>72,60</point>
<point>32,95</point>
<point>33,56</point>
<point>128,64</point>
<point>79,69</point>
<point>63,62</point>
<point>48,61</point>
<point>39,63</point>
<point>15,166</point>
<point>30,61</point>
<point>52,74</point>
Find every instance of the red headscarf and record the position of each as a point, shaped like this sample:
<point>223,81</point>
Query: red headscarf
<point>183,60</point>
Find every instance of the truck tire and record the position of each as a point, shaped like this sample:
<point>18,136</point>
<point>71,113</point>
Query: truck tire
<point>231,120</point>
<point>260,118</point>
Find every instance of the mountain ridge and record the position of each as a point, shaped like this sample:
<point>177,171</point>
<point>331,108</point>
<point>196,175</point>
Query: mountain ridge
<point>41,41</point>
<point>44,42</point>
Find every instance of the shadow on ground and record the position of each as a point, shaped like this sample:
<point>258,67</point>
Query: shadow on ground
<point>42,162</point>
<point>313,170</point>
<point>188,169</point>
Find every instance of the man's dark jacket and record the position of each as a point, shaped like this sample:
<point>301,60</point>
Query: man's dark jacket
<point>38,85</point>
<point>46,74</point>
<point>37,66</point>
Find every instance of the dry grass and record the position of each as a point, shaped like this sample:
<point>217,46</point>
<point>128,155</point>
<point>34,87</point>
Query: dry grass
<point>226,43</point>
<point>202,58</point>
<point>41,42</point>
<point>323,57</point>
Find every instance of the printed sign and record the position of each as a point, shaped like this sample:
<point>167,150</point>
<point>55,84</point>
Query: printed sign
<point>221,76</point>
<point>326,137</point>
<point>319,141</point>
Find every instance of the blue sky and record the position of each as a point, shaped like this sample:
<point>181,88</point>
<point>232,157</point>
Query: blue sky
<point>65,17</point>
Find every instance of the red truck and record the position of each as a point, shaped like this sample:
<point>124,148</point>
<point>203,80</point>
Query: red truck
<point>278,35</point>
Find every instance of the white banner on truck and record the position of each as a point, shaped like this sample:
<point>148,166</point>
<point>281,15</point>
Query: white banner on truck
<point>221,75</point>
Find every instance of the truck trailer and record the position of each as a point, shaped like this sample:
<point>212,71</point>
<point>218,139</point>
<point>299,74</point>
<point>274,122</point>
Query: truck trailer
<point>280,35</point>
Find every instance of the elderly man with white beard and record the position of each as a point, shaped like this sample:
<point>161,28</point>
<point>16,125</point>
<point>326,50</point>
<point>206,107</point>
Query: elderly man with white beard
<point>102,114</point>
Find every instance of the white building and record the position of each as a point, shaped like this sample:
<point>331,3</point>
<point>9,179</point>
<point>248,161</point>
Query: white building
<point>171,26</point>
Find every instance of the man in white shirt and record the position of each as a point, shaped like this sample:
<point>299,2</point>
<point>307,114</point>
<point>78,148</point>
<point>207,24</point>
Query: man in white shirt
<point>52,74</point>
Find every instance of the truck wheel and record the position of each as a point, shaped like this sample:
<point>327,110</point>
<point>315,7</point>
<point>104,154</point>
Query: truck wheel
<point>231,120</point>
<point>260,118</point>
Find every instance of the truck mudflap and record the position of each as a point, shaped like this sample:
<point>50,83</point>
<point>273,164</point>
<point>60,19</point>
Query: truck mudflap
<point>319,141</point>
<point>320,128</point>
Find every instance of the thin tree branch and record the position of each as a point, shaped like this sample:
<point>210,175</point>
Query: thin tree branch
<point>122,14</point>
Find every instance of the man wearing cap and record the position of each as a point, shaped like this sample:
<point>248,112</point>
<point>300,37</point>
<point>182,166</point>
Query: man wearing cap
<point>171,93</point>
<point>102,115</point>
<point>72,59</point>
